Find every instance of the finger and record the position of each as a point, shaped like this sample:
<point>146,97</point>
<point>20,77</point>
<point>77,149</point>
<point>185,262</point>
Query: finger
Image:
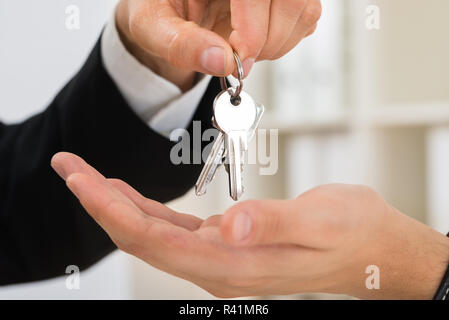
<point>213,221</point>
<point>284,16</point>
<point>114,212</point>
<point>273,222</point>
<point>163,245</point>
<point>305,26</point>
<point>157,209</point>
<point>158,29</point>
<point>312,30</point>
<point>65,164</point>
<point>250,21</point>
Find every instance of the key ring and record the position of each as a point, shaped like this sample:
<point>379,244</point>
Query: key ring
<point>235,94</point>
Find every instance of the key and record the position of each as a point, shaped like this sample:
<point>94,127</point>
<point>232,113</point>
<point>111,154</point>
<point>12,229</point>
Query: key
<point>217,156</point>
<point>236,122</point>
<point>260,111</point>
<point>213,161</point>
<point>239,118</point>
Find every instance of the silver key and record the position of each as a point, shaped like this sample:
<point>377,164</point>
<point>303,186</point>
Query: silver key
<point>252,132</point>
<point>236,122</point>
<point>239,118</point>
<point>213,161</point>
<point>217,156</point>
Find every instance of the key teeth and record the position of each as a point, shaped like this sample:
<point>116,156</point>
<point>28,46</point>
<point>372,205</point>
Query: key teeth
<point>236,197</point>
<point>210,167</point>
<point>198,192</point>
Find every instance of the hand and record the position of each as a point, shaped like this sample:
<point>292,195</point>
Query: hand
<point>321,241</point>
<point>176,38</point>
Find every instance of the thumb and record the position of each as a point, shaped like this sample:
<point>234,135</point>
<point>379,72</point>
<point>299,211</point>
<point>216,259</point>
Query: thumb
<point>159,30</point>
<point>261,222</point>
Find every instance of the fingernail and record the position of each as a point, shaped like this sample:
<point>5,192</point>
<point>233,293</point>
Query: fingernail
<point>59,170</point>
<point>247,66</point>
<point>213,60</point>
<point>241,226</point>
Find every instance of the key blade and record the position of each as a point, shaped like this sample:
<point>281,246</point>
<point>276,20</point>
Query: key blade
<point>210,167</point>
<point>234,144</point>
<point>239,123</point>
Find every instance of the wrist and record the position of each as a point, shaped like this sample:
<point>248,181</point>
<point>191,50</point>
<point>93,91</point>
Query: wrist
<point>436,266</point>
<point>412,259</point>
<point>184,79</point>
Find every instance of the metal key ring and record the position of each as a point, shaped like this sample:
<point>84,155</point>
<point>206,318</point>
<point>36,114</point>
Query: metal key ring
<point>235,94</point>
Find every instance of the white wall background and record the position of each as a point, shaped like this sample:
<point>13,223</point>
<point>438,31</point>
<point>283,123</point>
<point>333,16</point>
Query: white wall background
<point>38,54</point>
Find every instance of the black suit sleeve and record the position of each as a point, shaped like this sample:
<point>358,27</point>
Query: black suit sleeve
<point>43,228</point>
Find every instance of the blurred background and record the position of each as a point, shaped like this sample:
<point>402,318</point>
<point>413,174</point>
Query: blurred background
<point>365,100</point>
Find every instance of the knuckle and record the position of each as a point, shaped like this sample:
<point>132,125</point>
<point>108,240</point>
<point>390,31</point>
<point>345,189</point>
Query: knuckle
<point>271,48</point>
<point>312,13</point>
<point>368,191</point>
<point>117,182</point>
<point>328,195</point>
<point>128,247</point>
<point>113,205</point>
<point>135,22</point>
<point>331,203</point>
<point>333,227</point>
<point>277,55</point>
<point>178,44</point>
<point>340,207</point>
<point>255,42</point>
<point>293,7</point>
<point>135,230</point>
<point>312,30</point>
<point>299,4</point>
<point>370,195</point>
<point>114,180</point>
<point>173,240</point>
